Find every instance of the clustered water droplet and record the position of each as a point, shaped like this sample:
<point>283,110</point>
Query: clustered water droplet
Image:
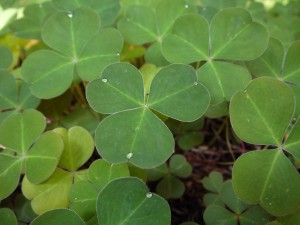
<point>195,83</point>
<point>129,155</point>
<point>118,54</point>
<point>186,6</point>
<point>104,80</point>
<point>149,195</point>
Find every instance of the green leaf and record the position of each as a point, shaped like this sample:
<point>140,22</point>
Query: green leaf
<point>108,10</point>
<point>276,192</point>
<point>83,117</point>
<point>58,184</point>
<point>6,57</point>
<point>141,206</point>
<point>154,56</point>
<point>8,91</point>
<point>15,95</point>
<point>7,217</point>
<point>66,5</point>
<point>213,182</point>
<point>255,215</point>
<point>19,131</point>
<point>190,140</point>
<point>157,172</point>
<point>212,199</point>
<point>231,200</point>
<point>10,171</point>
<point>270,63</point>
<point>63,216</point>
<point>78,147</point>
<point>168,11</point>
<point>223,80</point>
<point>261,113</point>
<point>179,166</point>
<point>58,71</point>
<point>293,218</point>
<point>189,223</point>
<point>101,172</point>
<point>120,88</point>
<point>170,187</point>
<point>215,215</point>
<point>137,136</point>
<point>291,68</point>
<point>176,93</point>
<point>190,37</point>
<point>83,197</point>
<point>45,155</point>
<point>138,25</point>
<point>29,26</point>
<point>233,29</point>
<point>23,209</point>
<point>75,28</point>
<point>102,49</point>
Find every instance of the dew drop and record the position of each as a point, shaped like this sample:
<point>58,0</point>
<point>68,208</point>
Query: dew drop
<point>129,155</point>
<point>270,203</point>
<point>118,54</point>
<point>195,83</point>
<point>149,195</point>
<point>70,15</point>
<point>104,80</point>
<point>186,6</point>
<point>75,198</point>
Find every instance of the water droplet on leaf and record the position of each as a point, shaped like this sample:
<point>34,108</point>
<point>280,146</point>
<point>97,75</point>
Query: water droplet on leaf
<point>149,195</point>
<point>129,155</point>
<point>186,6</point>
<point>104,80</point>
<point>195,83</point>
<point>70,14</point>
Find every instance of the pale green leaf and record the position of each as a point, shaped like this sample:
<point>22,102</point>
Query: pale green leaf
<point>43,157</point>
<point>58,184</point>
<point>78,147</point>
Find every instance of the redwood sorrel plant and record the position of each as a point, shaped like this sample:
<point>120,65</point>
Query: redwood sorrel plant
<point>96,96</point>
